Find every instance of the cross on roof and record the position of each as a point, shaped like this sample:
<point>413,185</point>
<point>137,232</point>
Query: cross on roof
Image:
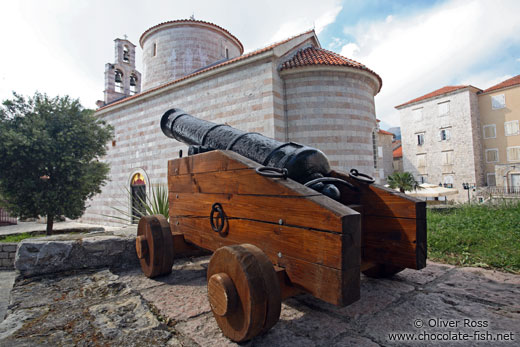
<point>125,36</point>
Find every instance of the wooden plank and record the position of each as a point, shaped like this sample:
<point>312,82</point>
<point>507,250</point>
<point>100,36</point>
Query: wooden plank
<point>316,239</point>
<point>338,287</point>
<point>390,241</point>
<point>286,286</point>
<point>315,247</point>
<point>334,286</point>
<point>292,211</point>
<point>243,181</point>
<point>380,201</point>
<point>393,227</point>
<point>183,249</point>
<point>209,162</point>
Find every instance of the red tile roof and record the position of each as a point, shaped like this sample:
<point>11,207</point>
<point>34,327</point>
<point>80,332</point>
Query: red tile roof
<point>507,83</point>
<point>438,92</point>
<point>319,56</point>
<point>227,62</point>
<point>381,131</point>
<point>398,152</point>
<point>188,21</point>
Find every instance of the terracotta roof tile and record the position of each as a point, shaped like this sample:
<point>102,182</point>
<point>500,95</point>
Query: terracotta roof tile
<point>318,56</point>
<point>398,152</point>
<point>381,131</point>
<point>227,62</point>
<point>187,21</point>
<point>507,83</point>
<point>438,92</point>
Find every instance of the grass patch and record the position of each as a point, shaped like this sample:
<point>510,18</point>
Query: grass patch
<point>476,235</point>
<point>19,237</point>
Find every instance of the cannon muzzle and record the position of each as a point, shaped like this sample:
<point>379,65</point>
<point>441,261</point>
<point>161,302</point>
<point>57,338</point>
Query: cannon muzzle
<point>303,163</point>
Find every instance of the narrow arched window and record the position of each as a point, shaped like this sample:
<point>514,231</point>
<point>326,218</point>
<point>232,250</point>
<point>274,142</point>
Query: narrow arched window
<point>133,84</point>
<point>154,50</point>
<point>138,192</point>
<point>126,54</point>
<point>118,79</point>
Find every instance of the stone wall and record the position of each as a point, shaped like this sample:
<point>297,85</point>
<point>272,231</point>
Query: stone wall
<point>175,50</point>
<point>385,163</point>
<point>333,111</point>
<point>7,255</point>
<point>464,141</point>
<point>242,98</point>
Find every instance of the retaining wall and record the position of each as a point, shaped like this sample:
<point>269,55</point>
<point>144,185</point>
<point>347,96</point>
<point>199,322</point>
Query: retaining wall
<point>7,254</point>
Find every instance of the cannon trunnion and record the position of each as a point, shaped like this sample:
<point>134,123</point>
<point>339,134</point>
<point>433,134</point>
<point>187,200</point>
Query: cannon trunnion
<point>273,238</point>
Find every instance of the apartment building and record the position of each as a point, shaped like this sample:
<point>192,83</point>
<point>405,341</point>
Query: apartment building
<point>441,138</point>
<point>500,116</point>
<point>462,134</point>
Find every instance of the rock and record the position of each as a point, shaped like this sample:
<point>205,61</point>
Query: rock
<point>72,252</point>
<point>80,308</point>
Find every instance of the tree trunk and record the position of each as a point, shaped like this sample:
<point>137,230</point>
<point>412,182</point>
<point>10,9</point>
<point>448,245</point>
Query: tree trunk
<point>401,190</point>
<point>50,222</point>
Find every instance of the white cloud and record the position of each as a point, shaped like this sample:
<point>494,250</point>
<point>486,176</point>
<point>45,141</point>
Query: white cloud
<point>336,43</point>
<point>425,51</point>
<point>297,19</point>
<point>349,50</point>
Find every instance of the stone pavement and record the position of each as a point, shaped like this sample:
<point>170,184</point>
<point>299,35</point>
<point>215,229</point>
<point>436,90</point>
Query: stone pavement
<point>124,308</point>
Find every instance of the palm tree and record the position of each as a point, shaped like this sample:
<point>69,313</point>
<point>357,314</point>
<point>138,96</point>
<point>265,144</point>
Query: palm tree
<point>402,180</point>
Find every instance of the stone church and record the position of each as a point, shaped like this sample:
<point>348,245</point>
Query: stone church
<point>293,90</point>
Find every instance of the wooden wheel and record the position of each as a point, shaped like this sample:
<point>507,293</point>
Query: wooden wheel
<point>243,291</point>
<point>154,245</point>
<point>382,271</point>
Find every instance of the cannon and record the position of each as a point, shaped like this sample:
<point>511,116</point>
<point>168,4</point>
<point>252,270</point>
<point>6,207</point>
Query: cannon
<point>279,221</point>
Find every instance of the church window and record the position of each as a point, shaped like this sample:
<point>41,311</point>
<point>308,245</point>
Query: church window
<point>227,53</point>
<point>118,79</point>
<point>154,50</point>
<point>126,54</point>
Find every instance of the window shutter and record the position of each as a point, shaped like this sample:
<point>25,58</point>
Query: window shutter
<point>515,129</point>
<point>447,134</point>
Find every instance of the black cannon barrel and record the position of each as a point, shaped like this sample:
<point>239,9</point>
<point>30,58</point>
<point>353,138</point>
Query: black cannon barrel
<point>303,163</point>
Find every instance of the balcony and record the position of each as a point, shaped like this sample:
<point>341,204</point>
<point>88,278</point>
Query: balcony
<point>503,191</point>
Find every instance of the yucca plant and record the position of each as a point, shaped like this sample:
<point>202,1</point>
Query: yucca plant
<point>156,203</point>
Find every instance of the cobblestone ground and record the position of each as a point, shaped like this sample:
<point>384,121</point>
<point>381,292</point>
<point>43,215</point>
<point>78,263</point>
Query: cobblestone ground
<point>95,308</point>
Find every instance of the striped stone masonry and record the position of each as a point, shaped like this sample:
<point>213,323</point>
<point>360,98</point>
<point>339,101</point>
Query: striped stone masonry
<point>330,108</point>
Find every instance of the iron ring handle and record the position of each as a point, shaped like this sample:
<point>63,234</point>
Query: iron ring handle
<point>330,180</point>
<point>272,172</point>
<point>217,207</point>
<point>361,177</point>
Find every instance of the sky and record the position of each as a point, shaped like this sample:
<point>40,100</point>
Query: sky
<point>60,47</point>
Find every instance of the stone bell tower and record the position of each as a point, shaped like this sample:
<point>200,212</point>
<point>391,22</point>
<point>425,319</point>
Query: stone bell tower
<point>121,77</point>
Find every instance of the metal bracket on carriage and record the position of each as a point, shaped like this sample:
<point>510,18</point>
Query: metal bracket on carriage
<point>218,224</point>
<point>361,177</point>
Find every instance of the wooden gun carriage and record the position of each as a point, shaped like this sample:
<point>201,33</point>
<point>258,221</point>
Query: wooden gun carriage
<point>274,237</point>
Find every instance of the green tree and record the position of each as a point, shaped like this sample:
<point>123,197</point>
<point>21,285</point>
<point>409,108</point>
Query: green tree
<point>402,180</point>
<point>49,155</point>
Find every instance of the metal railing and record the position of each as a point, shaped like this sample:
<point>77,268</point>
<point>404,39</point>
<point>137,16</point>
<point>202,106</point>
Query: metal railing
<point>6,218</point>
<point>504,191</point>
